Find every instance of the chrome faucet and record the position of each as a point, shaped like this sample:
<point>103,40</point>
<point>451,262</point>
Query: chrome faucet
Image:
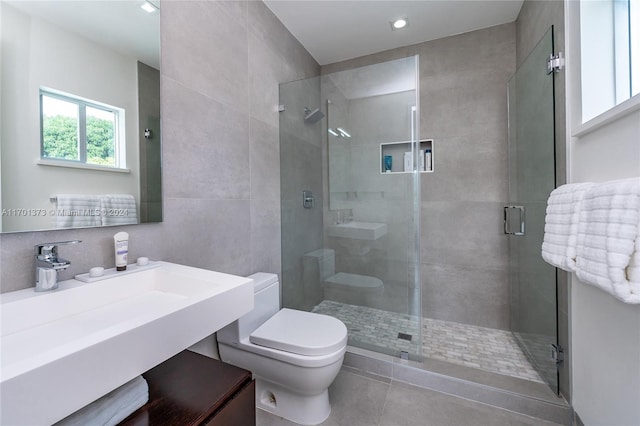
<point>48,264</point>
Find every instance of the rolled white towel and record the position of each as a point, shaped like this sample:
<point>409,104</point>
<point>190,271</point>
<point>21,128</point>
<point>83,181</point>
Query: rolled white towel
<point>607,238</point>
<point>633,270</point>
<point>561,225</point>
<point>112,408</point>
<point>591,264</point>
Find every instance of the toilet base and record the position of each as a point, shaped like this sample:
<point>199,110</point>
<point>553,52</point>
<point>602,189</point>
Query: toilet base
<point>301,409</point>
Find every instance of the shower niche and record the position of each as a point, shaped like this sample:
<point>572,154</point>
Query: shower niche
<point>396,157</point>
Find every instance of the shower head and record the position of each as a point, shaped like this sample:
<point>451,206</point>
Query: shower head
<point>312,116</point>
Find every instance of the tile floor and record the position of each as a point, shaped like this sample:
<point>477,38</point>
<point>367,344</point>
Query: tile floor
<point>373,327</point>
<point>359,399</point>
<point>484,348</point>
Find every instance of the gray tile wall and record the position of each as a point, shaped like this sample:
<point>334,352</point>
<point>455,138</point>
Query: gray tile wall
<point>534,20</point>
<point>463,107</point>
<point>221,66</point>
<point>463,98</point>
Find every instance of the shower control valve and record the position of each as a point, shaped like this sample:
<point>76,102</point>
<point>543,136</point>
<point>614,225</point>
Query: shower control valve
<point>308,200</point>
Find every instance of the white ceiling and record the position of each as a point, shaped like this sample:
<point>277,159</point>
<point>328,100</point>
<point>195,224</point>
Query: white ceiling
<point>333,31</point>
<point>119,25</point>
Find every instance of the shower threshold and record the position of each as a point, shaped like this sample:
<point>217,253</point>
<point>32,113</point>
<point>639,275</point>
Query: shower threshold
<point>482,348</point>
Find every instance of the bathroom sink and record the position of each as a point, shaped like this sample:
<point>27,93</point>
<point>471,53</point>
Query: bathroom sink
<point>63,349</point>
<point>358,230</point>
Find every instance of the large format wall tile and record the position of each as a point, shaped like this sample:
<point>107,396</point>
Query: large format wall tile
<point>210,234</point>
<point>266,67</point>
<point>206,146</point>
<point>478,296</point>
<point>265,237</point>
<point>264,155</point>
<point>463,110</point>
<point>466,234</point>
<point>203,48</point>
<point>467,169</point>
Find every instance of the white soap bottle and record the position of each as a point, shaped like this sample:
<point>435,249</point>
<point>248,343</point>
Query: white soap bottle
<point>121,244</point>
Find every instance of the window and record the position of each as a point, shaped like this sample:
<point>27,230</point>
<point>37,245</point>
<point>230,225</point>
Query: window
<point>610,51</point>
<point>77,130</point>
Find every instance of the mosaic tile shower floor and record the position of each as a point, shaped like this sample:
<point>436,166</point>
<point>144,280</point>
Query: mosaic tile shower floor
<point>478,347</point>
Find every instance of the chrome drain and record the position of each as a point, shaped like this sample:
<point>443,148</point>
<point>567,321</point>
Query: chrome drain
<point>404,336</point>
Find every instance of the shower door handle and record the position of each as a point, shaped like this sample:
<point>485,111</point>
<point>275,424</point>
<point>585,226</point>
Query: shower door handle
<point>507,220</point>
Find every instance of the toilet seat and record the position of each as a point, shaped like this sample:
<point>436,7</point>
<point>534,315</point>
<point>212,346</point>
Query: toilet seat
<point>302,333</point>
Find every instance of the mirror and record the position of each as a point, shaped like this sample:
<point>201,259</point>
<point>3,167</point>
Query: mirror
<point>95,55</point>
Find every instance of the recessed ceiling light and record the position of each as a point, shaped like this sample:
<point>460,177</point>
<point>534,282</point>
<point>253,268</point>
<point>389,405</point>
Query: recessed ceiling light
<point>148,7</point>
<point>399,23</point>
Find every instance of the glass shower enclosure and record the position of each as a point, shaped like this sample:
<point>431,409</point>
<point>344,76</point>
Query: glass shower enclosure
<point>531,180</point>
<point>350,159</point>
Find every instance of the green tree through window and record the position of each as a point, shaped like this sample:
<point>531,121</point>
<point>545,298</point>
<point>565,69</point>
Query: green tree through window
<point>100,141</point>
<point>75,130</point>
<point>60,137</point>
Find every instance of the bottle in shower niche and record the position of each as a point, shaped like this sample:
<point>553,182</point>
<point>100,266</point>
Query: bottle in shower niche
<point>388,163</point>
<point>428,164</point>
<point>408,161</point>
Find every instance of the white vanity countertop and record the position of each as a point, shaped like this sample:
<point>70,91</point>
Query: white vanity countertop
<point>61,350</point>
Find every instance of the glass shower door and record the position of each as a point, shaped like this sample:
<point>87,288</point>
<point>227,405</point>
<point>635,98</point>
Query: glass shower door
<point>350,229</point>
<point>371,224</point>
<point>531,179</point>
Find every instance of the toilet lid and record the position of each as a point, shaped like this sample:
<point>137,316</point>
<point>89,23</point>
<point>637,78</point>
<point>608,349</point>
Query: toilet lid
<point>303,333</point>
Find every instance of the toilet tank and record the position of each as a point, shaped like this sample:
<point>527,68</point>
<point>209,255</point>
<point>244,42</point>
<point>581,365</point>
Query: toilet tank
<point>266,298</point>
<point>318,265</point>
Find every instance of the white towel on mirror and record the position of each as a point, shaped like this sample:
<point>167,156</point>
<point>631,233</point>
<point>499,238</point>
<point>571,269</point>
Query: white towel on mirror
<point>118,209</point>
<point>561,225</point>
<point>77,210</point>
<point>607,237</point>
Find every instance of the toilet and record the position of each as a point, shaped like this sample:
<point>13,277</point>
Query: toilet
<point>293,355</point>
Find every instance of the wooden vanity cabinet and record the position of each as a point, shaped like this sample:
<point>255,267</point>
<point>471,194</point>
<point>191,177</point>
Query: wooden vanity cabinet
<point>191,389</point>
